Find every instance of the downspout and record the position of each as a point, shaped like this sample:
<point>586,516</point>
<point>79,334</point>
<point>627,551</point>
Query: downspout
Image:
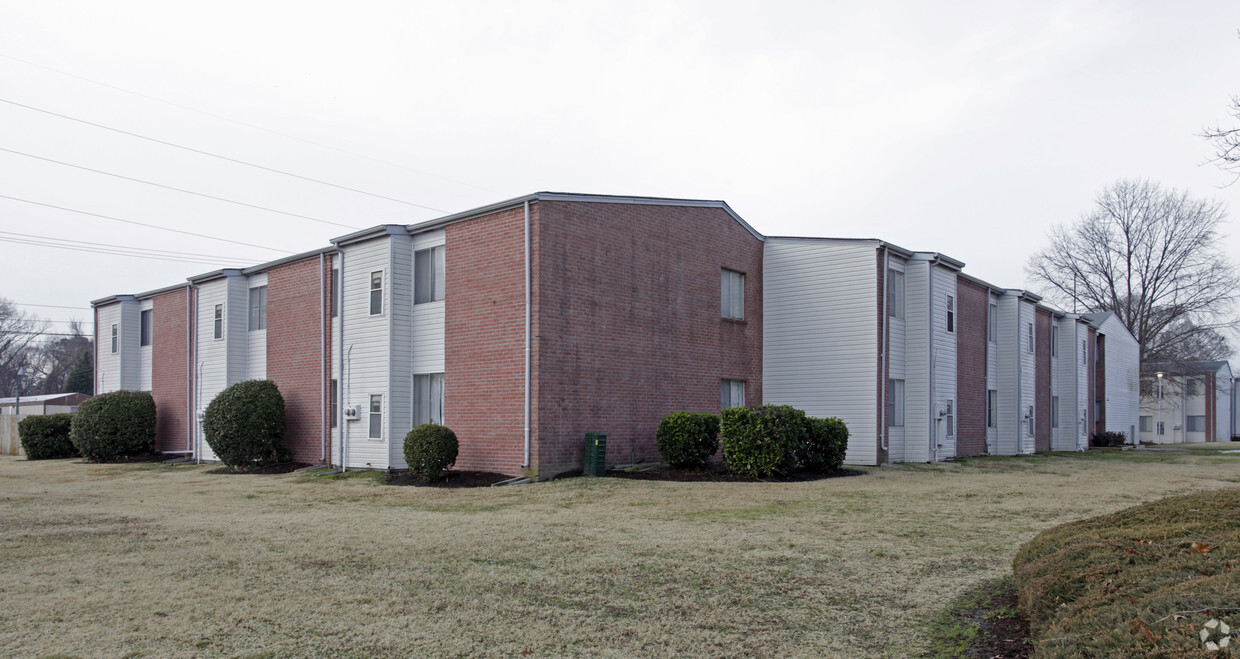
<point>882,357</point>
<point>324,313</point>
<point>1020,399</point>
<point>528,295</point>
<point>340,388</point>
<point>191,348</point>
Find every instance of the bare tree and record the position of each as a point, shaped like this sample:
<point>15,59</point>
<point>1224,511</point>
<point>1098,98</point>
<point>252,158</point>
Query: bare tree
<point>19,343</point>
<point>57,356</point>
<point>1226,142</point>
<point>1153,257</point>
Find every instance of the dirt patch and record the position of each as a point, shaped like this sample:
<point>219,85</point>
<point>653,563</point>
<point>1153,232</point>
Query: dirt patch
<point>717,473</point>
<point>983,623</point>
<point>450,480</point>
<point>279,468</point>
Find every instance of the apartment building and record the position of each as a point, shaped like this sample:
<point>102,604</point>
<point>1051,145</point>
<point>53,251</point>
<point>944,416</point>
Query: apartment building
<point>1191,402</point>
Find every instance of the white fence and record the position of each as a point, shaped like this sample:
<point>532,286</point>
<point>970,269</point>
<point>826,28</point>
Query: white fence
<point>10,443</point>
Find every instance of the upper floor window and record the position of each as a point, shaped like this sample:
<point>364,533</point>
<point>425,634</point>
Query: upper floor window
<point>428,278</point>
<point>1084,353</point>
<point>732,294</point>
<point>1029,326</point>
<point>951,313</point>
<point>335,293</point>
<point>258,308</point>
<point>219,322</point>
<point>376,293</point>
<point>895,293</point>
<point>992,324</point>
<point>116,339</point>
<point>145,328</point>
<point>1054,340</point>
<point>1192,387</point>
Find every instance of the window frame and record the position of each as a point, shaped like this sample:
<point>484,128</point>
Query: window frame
<point>731,304</point>
<point>951,314</point>
<point>116,338</point>
<point>1189,424</point>
<point>146,327</point>
<point>1054,340</point>
<point>895,293</point>
<point>376,292</point>
<point>1194,386</point>
<point>428,383</point>
<point>1030,430</point>
<point>1054,412</point>
<point>335,292</point>
<point>896,403</point>
<point>950,417</point>
<point>217,321</point>
<point>1145,423</point>
<point>335,403</point>
<point>992,408</point>
<point>728,390</point>
<point>434,257</point>
<point>375,429</point>
<point>258,312</point>
<point>1029,329</point>
<point>992,323</point>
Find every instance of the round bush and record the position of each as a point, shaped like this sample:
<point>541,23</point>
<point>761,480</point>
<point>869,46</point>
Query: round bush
<point>686,439</point>
<point>761,441</point>
<point>430,450</point>
<point>823,444</point>
<point>46,437</point>
<point>114,425</point>
<point>244,424</point>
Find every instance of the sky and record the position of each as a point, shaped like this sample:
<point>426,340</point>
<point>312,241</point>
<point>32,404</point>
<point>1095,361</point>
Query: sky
<point>967,128</point>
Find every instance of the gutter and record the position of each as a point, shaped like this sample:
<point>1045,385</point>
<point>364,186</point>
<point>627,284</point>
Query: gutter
<point>882,357</point>
<point>191,343</point>
<point>528,325</point>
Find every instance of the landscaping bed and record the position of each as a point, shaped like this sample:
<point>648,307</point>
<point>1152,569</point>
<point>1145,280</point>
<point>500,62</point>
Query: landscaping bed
<point>450,479</point>
<point>718,473</point>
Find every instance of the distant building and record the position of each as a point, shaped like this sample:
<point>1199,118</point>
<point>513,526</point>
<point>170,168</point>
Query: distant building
<point>43,404</point>
<point>1187,403</point>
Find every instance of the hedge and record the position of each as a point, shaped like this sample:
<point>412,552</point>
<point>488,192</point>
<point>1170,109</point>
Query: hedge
<point>114,425</point>
<point>761,441</point>
<point>47,437</point>
<point>687,439</point>
<point>430,450</point>
<point>823,444</point>
<point>244,425</point>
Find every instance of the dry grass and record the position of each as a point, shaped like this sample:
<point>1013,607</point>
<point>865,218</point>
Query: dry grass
<point>173,561</point>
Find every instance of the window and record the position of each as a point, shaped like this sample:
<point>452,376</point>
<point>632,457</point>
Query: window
<point>1147,424</point>
<point>732,294</point>
<point>1054,340</point>
<point>376,416</point>
<point>1029,326</point>
<point>219,322</point>
<point>1029,429</point>
<point>144,329</point>
<point>335,404</point>
<point>731,394</point>
<point>116,339</point>
<point>428,275</point>
<point>1054,411</point>
<point>258,308</point>
<point>895,403</point>
<point>427,398</point>
<point>335,293</point>
<point>1192,386</point>
<point>992,324</point>
<point>951,419</point>
<point>1196,424</point>
<point>992,408</point>
<point>1084,353</point>
<point>376,293</point>
<point>1161,428</point>
<point>951,314</point>
<point>895,293</point>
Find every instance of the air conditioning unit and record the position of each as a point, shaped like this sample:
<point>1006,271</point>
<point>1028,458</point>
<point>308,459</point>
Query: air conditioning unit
<point>351,413</point>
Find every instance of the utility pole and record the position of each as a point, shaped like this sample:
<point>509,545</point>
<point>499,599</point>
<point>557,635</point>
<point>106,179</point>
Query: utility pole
<point>18,406</point>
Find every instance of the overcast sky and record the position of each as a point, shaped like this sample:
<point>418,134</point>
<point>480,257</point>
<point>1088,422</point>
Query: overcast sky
<point>968,128</point>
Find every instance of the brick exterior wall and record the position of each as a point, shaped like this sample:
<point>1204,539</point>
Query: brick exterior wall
<point>484,340</point>
<point>298,351</point>
<point>1094,372</point>
<point>1211,389</point>
<point>973,309</point>
<point>628,325</point>
<point>1042,381</point>
<point>169,361</point>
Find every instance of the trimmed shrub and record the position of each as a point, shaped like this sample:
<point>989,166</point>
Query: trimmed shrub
<point>244,425</point>
<point>822,444</point>
<point>1109,438</point>
<point>761,441</point>
<point>430,450</point>
<point>46,437</point>
<point>687,439</point>
<point>114,425</point>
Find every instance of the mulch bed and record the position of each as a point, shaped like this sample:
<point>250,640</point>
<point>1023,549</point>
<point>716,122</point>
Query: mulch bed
<point>451,479</point>
<point>280,468</point>
<point>717,473</point>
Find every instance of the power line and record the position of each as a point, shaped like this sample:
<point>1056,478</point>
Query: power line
<point>143,224</point>
<point>52,306</point>
<point>216,155</point>
<point>174,259</point>
<point>141,250</point>
<point>247,125</point>
<point>169,187</point>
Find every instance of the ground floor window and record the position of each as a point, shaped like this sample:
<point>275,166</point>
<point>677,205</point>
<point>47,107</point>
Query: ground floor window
<point>731,394</point>
<point>376,416</point>
<point>992,408</point>
<point>1054,411</point>
<point>427,398</point>
<point>1147,424</point>
<point>895,403</point>
<point>335,404</point>
<point>951,419</point>
<point>1029,430</point>
<point>1196,424</point>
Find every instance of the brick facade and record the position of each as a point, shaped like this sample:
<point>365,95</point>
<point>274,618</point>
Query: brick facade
<point>1094,375</point>
<point>1042,381</point>
<point>973,303</point>
<point>628,323</point>
<point>298,351</point>
<point>169,364</point>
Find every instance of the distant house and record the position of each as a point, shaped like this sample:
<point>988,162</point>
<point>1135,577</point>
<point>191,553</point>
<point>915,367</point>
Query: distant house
<point>44,404</point>
<point>1187,403</point>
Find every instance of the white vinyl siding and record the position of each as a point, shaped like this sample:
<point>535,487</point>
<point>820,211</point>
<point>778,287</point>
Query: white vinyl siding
<point>942,362</point>
<point>256,335</point>
<point>131,357</point>
<point>1222,409</point>
<point>820,334</point>
<point>108,368</point>
<point>399,310</point>
<point>732,294</point>
<point>366,359</point>
<point>236,336</point>
<point>211,358</point>
<point>1121,370</point>
<point>146,347</point>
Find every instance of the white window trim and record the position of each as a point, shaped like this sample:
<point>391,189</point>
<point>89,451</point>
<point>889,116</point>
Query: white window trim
<point>950,320</point>
<point>896,293</point>
<point>217,323</point>
<point>371,417</point>
<point>116,338</point>
<point>732,307</point>
<point>370,293</point>
<point>897,403</point>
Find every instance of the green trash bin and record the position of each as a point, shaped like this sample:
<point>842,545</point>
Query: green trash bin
<point>596,454</point>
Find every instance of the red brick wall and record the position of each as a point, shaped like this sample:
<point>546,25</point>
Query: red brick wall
<point>169,361</point>
<point>1094,384</point>
<point>296,351</point>
<point>1211,401</point>
<point>1100,380</point>
<point>973,309</point>
<point>628,324</point>
<point>484,340</point>
<point>1042,381</point>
